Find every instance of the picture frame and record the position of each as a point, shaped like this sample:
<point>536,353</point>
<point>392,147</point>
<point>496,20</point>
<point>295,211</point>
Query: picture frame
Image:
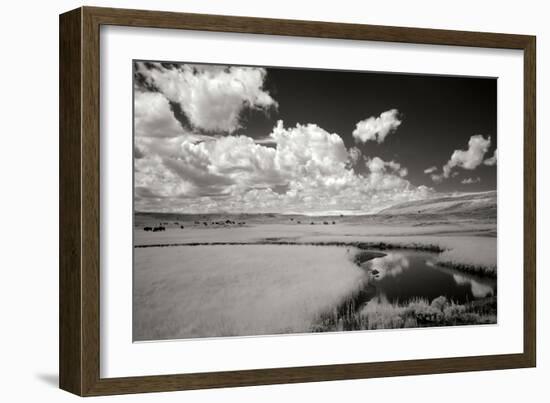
<point>80,155</point>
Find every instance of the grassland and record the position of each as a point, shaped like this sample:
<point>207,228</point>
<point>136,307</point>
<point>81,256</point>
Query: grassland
<point>224,275</point>
<point>465,244</point>
<point>209,291</point>
<point>380,314</point>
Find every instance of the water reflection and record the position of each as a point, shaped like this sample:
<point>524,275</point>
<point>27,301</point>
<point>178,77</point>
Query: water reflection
<point>478,290</point>
<point>393,264</point>
<point>404,275</point>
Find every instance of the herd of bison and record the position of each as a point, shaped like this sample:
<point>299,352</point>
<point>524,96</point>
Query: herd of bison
<point>162,225</point>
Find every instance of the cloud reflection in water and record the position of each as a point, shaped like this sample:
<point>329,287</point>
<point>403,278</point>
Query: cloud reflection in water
<point>393,264</point>
<point>479,290</point>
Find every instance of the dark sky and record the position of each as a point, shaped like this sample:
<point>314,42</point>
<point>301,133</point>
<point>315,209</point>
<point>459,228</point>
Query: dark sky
<point>212,138</point>
<point>439,115</point>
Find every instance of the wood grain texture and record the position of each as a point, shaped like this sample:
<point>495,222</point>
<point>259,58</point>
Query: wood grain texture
<point>70,271</point>
<point>317,29</point>
<point>90,202</point>
<point>80,201</point>
<point>530,202</point>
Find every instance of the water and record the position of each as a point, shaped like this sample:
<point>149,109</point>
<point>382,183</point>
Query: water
<point>403,275</point>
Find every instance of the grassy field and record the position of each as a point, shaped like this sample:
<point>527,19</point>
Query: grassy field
<point>207,291</point>
<point>381,314</point>
<point>261,274</point>
<point>465,243</point>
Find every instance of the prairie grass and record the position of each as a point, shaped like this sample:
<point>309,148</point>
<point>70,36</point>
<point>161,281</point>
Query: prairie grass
<point>464,244</point>
<point>216,288</point>
<point>451,258</point>
<point>226,290</point>
<point>380,314</point>
<point>479,270</point>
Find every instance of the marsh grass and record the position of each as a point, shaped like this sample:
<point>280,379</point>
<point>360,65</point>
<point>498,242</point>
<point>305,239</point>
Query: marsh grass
<point>220,291</point>
<point>225,291</point>
<point>378,314</point>
<point>480,270</point>
<point>427,247</point>
<point>447,259</point>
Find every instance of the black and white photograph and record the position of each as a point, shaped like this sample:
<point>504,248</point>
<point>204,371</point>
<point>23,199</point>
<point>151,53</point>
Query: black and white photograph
<point>276,200</point>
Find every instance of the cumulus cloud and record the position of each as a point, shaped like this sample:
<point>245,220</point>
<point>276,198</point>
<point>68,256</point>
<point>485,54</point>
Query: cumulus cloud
<point>469,181</point>
<point>310,148</point>
<point>211,97</point>
<point>155,119</point>
<point>468,159</point>
<point>354,155</point>
<point>437,178</point>
<point>153,116</point>
<point>430,170</point>
<point>377,128</point>
<point>378,165</point>
<point>491,161</point>
<point>307,169</point>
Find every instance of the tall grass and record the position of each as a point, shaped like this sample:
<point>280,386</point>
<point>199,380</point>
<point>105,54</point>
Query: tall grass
<point>447,259</point>
<point>380,314</point>
<point>217,291</point>
<point>427,247</point>
<point>480,270</point>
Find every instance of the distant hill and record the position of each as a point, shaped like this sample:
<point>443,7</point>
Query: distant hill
<point>463,206</point>
<point>483,203</point>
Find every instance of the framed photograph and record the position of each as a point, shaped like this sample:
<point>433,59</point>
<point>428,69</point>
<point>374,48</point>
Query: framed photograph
<point>248,201</point>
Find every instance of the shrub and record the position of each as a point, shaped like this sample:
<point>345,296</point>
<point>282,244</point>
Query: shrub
<point>440,303</point>
<point>416,313</point>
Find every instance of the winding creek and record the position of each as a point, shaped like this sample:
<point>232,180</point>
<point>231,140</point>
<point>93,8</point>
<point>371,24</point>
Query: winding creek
<point>403,275</point>
<point>284,287</point>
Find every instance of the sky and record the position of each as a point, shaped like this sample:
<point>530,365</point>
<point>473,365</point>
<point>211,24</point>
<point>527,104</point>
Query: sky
<point>216,138</point>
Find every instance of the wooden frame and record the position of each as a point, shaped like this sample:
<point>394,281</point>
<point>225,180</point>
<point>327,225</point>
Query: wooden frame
<point>79,201</point>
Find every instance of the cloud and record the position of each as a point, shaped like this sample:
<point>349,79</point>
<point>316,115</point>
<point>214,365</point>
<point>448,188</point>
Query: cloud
<point>305,169</point>
<point>153,116</point>
<point>155,119</point>
<point>265,141</point>
<point>354,155</point>
<point>377,128</point>
<point>468,159</point>
<point>491,161</point>
<point>469,181</point>
<point>211,97</point>
<point>430,170</point>
<point>377,165</point>
<point>309,148</point>
<point>437,178</point>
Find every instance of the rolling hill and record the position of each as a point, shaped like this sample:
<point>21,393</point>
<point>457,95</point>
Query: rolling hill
<point>484,203</point>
